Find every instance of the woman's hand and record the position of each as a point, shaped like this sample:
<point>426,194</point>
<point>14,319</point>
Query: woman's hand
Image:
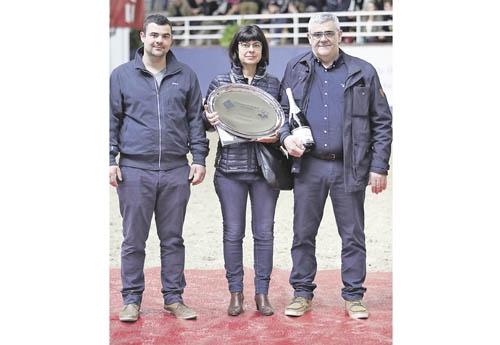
<point>271,139</point>
<point>213,118</point>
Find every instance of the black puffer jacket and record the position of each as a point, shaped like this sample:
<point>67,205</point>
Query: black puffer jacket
<point>241,157</point>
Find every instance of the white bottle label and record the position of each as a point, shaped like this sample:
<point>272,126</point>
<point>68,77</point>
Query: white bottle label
<point>304,134</point>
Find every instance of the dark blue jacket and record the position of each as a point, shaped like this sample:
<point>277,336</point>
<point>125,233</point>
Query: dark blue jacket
<point>367,127</point>
<point>241,157</point>
<point>155,127</point>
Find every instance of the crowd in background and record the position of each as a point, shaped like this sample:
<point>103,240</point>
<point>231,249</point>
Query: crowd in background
<point>177,8</point>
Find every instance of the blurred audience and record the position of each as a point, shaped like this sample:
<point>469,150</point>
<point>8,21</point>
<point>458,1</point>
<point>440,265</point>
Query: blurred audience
<point>251,7</point>
<point>370,24</point>
<point>278,7</point>
<point>178,8</point>
<point>228,7</point>
<point>160,5</point>
<point>387,28</point>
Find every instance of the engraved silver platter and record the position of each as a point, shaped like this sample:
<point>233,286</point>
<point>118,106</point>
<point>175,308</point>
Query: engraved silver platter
<point>246,111</point>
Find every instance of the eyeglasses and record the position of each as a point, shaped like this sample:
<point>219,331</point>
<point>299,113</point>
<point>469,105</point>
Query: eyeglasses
<point>247,46</point>
<point>318,35</point>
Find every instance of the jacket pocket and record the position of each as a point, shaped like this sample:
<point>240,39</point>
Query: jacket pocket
<point>361,101</point>
<point>362,154</point>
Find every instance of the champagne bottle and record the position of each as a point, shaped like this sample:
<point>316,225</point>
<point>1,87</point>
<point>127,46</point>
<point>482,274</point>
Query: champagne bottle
<point>299,125</point>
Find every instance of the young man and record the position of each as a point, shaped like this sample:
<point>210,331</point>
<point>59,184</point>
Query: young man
<point>351,124</point>
<point>155,120</point>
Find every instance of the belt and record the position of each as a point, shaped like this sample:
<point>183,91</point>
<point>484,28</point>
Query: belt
<point>328,156</point>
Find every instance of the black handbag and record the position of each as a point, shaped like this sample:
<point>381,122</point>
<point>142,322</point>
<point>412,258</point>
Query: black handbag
<point>276,166</point>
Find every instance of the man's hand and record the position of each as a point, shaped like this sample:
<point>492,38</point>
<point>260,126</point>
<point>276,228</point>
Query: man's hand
<point>294,146</point>
<point>197,174</point>
<point>378,182</point>
<point>114,172</point>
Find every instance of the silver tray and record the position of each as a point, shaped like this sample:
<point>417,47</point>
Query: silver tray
<point>246,111</point>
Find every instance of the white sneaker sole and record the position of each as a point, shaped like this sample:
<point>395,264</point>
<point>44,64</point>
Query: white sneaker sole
<point>295,313</point>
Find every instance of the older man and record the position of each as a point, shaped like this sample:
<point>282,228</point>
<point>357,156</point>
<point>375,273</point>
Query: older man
<point>351,123</point>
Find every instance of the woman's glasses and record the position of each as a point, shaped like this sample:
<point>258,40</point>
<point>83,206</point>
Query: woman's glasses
<point>248,46</point>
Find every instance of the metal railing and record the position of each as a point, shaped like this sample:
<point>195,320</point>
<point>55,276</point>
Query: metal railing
<point>289,28</point>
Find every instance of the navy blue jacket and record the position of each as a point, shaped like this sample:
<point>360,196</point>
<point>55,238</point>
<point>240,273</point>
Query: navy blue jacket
<point>155,127</point>
<point>367,126</point>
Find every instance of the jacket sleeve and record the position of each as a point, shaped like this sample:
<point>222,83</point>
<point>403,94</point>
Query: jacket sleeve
<point>115,117</point>
<point>213,85</point>
<point>381,128</point>
<point>198,141</point>
<point>285,83</point>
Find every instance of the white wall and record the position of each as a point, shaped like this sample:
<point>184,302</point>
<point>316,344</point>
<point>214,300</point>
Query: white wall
<point>119,46</point>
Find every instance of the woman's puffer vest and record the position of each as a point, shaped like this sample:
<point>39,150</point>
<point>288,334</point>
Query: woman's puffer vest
<point>241,157</point>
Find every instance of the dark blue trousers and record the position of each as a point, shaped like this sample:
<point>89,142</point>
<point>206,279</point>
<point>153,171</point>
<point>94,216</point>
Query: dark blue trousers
<point>165,194</point>
<point>233,191</point>
<point>318,179</point>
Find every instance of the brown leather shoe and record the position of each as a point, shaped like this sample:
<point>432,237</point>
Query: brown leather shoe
<point>263,305</point>
<point>235,304</point>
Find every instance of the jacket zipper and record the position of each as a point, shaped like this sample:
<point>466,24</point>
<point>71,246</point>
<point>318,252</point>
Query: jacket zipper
<point>159,119</point>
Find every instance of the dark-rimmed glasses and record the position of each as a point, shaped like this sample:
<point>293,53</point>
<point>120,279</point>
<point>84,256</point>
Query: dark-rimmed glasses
<point>247,46</point>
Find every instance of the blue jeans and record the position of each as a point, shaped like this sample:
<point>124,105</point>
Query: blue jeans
<point>166,194</point>
<point>233,190</point>
<point>316,180</point>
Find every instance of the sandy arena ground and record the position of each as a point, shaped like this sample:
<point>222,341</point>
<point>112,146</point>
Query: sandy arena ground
<point>203,230</point>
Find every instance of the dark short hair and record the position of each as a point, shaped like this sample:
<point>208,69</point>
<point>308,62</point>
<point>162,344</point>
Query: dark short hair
<point>158,19</point>
<point>245,34</point>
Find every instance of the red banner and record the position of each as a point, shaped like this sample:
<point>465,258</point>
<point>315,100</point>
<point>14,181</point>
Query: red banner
<point>126,13</point>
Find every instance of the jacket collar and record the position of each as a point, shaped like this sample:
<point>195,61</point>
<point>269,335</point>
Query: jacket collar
<point>353,67</point>
<point>172,62</point>
<point>237,72</point>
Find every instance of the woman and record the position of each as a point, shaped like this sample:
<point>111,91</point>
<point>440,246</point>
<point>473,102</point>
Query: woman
<point>238,176</point>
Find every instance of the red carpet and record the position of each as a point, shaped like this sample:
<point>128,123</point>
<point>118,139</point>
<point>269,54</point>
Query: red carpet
<point>207,293</point>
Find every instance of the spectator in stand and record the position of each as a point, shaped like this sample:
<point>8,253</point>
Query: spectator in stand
<point>337,5</point>
<point>309,5</point>
<point>228,8</point>
<point>278,7</point>
<point>341,6</point>
<point>250,7</point>
<point>204,8</point>
<point>358,5</point>
<point>369,26</point>
<point>387,28</point>
<point>178,8</point>
<point>163,4</point>
<point>379,4</point>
